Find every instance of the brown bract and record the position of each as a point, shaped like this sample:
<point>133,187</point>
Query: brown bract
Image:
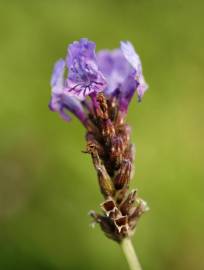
<point>108,143</point>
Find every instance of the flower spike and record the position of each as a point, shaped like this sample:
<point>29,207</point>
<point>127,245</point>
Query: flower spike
<point>98,90</point>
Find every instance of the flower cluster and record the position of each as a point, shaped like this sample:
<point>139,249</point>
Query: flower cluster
<point>97,88</point>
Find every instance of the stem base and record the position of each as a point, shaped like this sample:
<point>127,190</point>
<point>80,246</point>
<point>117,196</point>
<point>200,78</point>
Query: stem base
<point>130,254</point>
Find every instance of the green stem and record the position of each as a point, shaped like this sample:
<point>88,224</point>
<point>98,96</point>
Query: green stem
<point>130,254</point>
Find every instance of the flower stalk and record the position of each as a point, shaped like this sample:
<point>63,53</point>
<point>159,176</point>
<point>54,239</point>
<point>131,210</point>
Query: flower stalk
<point>130,254</point>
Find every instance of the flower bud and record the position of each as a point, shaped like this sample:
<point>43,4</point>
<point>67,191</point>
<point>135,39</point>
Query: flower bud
<point>105,183</point>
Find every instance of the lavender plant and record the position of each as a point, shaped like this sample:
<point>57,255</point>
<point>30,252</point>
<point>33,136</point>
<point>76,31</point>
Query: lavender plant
<point>97,88</point>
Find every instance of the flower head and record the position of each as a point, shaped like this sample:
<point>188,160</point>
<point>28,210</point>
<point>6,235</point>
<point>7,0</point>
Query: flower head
<point>117,74</point>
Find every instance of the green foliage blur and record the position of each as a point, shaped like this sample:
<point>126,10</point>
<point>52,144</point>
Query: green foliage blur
<point>47,185</point>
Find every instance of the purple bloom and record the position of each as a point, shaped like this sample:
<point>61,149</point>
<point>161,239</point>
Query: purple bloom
<point>123,72</point>
<point>115,68</point>
<point>84,77</point>
<point>61,101</point>
<point>133,58</point>
<point>116,73</point>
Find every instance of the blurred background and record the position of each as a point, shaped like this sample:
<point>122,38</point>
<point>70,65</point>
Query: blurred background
<point>47,186</point>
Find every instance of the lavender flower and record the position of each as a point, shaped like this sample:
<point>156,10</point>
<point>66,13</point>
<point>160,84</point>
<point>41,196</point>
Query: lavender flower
<point>123,71</point>
<point>115,68</point>
<point>60,100</point>
<point>84,77</point>
<point>98,90</point>
<point>117,73</point>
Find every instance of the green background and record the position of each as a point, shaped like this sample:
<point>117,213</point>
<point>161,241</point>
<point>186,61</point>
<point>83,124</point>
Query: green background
<point>47,186</point>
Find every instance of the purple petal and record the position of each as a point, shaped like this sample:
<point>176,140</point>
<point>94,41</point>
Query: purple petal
<point>57,79</point>
<point>57,84</point>
<point>81,49</point>
<point>128,89</point>
<point>130,54</point>
<point>63,103</point>
<point>134,60</point>
<point>142,86</point>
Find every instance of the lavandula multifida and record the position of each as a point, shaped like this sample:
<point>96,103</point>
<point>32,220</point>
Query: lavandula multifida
<point>98,90</point>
